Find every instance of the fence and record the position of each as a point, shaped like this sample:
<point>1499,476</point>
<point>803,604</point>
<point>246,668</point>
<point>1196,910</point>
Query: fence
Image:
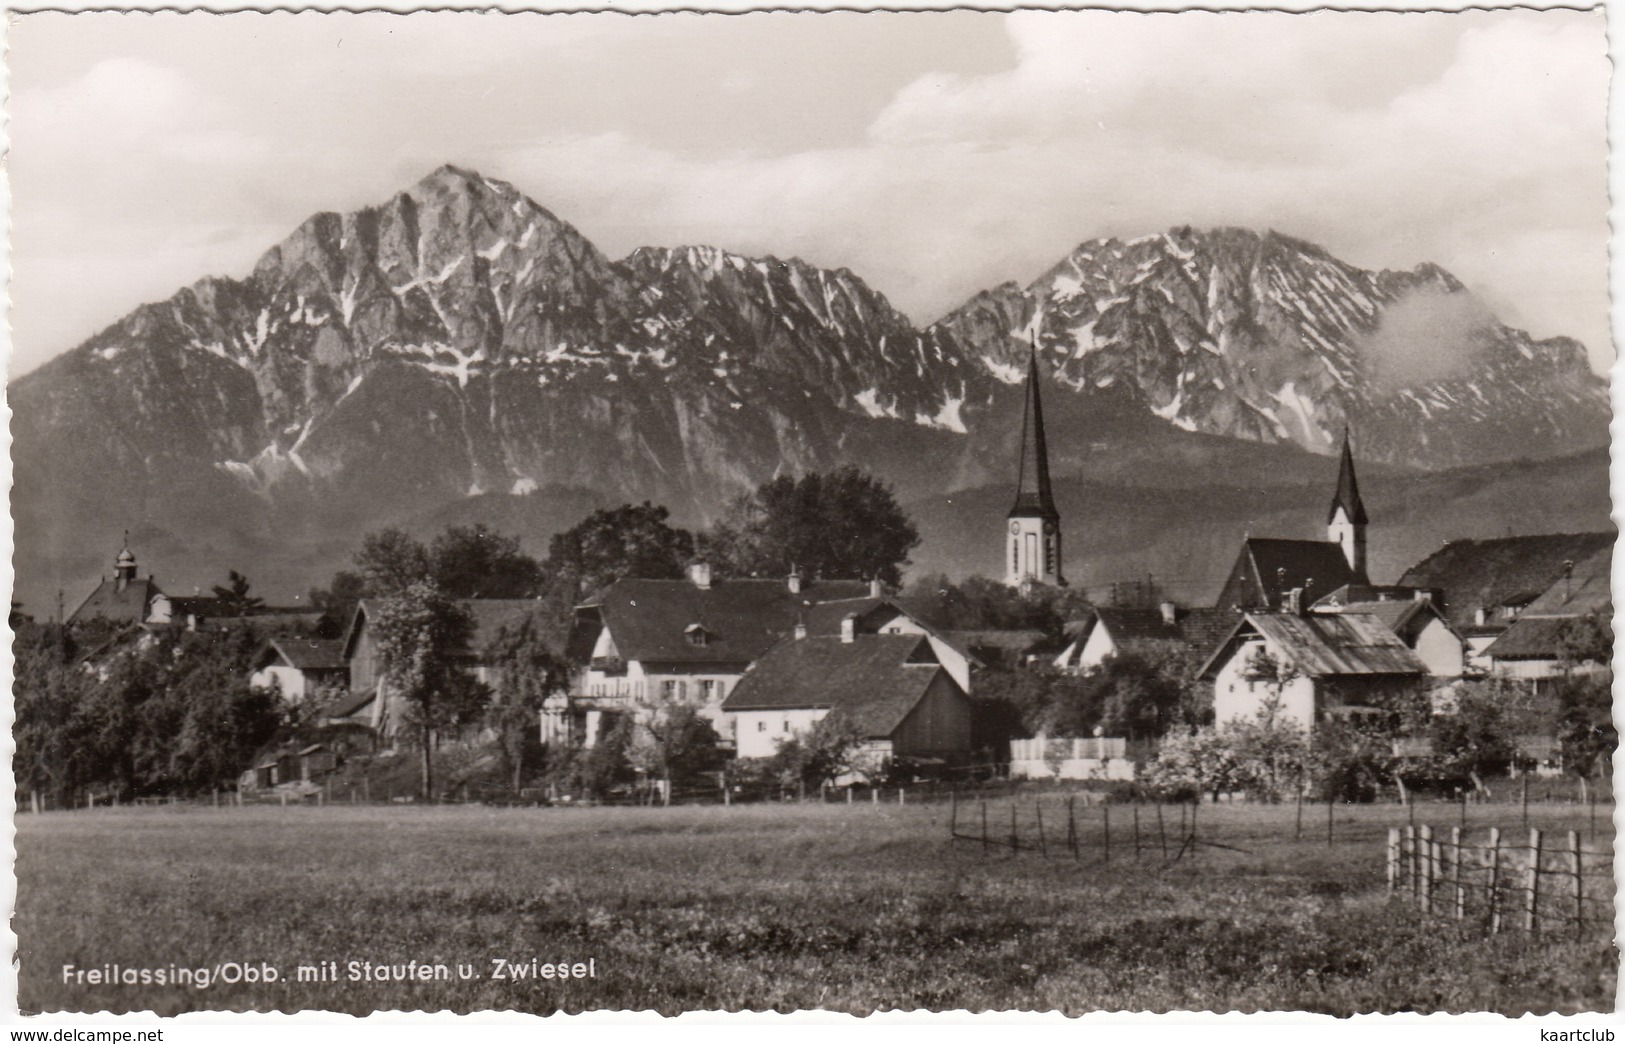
<point>1077,829</point>
<point>1535,886</point>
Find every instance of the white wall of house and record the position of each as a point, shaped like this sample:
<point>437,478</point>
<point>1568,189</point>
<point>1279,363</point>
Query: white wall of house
<point>759,732</point>
<point>955,662</point>
<point>1238,698</point>
<point>290,680</point>
<point>1440,650</point>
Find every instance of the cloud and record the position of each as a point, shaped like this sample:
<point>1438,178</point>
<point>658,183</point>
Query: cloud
<point>1426,336</point>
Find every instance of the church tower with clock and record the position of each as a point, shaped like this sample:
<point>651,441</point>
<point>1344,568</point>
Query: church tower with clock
<point>1032,553</point>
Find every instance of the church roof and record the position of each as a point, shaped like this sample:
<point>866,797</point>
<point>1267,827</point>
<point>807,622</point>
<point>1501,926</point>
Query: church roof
<point>109,601</point>
<point>1279,566</point>
<point>1348,490</point>
<point>1033,495</point>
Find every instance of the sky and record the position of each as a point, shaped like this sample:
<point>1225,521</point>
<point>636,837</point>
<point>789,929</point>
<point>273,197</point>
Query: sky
<point>934,154</point>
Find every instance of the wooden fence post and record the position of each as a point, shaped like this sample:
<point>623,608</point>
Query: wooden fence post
<point>1495,880</point>
<point>953,814</point>
<point>1393,858</point>
<point>1531,882</point>
<point>983,802</point>
<point>1071,830</point>
<point>1331,805</point>
<point>1136,832</point>
<point>1297,834</point>
<point>1038,813</point>
<point>1428,870</point>
<point>1455,871</point>
<point>1106,820</point>
<point>1162,834</point>
<point>1579,884</point>
<point>902,796</point>
<point>1015,839</point>
<point>1525,798</point>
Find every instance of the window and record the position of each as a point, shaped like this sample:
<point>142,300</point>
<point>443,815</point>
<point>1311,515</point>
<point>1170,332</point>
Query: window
<point>697,635</point>
<point>761,726</point>
<point>708,690</point>
<point>671,690</point>
<point>786,724</point>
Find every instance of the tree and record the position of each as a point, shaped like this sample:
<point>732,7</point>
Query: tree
<point>982,604</point>
<point>477,562</point>
<point>833,747</point>
<point>233,596</point>
<point>338,600</point>
<point>842,524</point>
<point>674,743</point>
<point>526,668</point>
<point>1479,735</point>
<point>389,562</point>
<point>608,546</point>
<point>421,633</point>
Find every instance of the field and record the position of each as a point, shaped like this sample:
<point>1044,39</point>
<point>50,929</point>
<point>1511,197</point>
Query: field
<point>783,906</point>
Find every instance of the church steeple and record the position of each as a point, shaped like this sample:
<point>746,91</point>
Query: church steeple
<point>1346,521</point>
<point>1033,546</point>
<point>124,567</point>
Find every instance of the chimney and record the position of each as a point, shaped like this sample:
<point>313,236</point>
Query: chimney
<point>1423,596</point>
<point>699,574</point>
<point>1479,616</point>
<point>1293,602</point>
<point>849,628</point>
<point>795,580</point>
<point>1170,613</point>
<point>801,628</point>
<point>877,588</point>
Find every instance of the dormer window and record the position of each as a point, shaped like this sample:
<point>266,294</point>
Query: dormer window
<point>697,635</point>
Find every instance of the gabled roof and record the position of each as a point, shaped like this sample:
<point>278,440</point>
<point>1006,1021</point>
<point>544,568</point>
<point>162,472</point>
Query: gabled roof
<point>743,618</point>
<point>1588,589</point>
<point>876,679</point>
<point>1533,638</point>
<point>108,602</point>
<point>1143,630</point>
<point>347,704</point>
<point>305,654</point>
<point>1405,618</point>
<point>1278,566</point>
<point>1490,573</point>
<point>488,615</point>
<point>1325,645</point>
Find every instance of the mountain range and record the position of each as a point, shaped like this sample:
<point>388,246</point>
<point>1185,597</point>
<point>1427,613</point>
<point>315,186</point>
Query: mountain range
<point>461,353</point>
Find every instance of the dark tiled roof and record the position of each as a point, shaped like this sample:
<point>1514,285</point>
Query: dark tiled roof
<point>308,654</point>
<point>347,705</point>
<point>1327,645</point>
<point>1199,629</point>
<point>107,602</point>
<point>1489,573</point>
<point>876,679</point>
<point>1588,590</point>
<point>1002,641</point>
<point>488,615</point>
<point>742,618</point>
<point>1277,566</point>
<point>1532,638</point>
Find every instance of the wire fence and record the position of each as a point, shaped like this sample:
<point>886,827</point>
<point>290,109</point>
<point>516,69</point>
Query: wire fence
<point>1541,884</point>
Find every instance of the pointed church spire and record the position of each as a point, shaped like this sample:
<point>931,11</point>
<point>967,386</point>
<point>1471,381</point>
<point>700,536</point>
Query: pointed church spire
<point>1033,495</point>
<point>1033,546</point>
<point>1348,490</point>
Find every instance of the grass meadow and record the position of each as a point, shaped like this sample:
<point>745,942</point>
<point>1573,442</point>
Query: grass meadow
<point>780,906</point>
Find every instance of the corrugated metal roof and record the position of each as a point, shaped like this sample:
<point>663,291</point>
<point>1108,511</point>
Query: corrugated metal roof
<point>1332,645</point>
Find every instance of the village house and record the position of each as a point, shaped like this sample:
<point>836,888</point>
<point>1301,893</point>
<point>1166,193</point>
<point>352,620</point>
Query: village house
<point>893,689</point>
<point>1156,634</point>
<point>646,643</point>
<point>370,702</point>
<point>298,667</point>
<point>1326,665</point>
<point>1416,619</point>
<point>1541,644</point>
<point>124,598</point>
<point>1485,585</point>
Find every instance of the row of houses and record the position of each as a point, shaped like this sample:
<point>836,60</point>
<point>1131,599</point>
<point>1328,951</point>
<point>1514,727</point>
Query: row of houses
<point>765,659</point>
